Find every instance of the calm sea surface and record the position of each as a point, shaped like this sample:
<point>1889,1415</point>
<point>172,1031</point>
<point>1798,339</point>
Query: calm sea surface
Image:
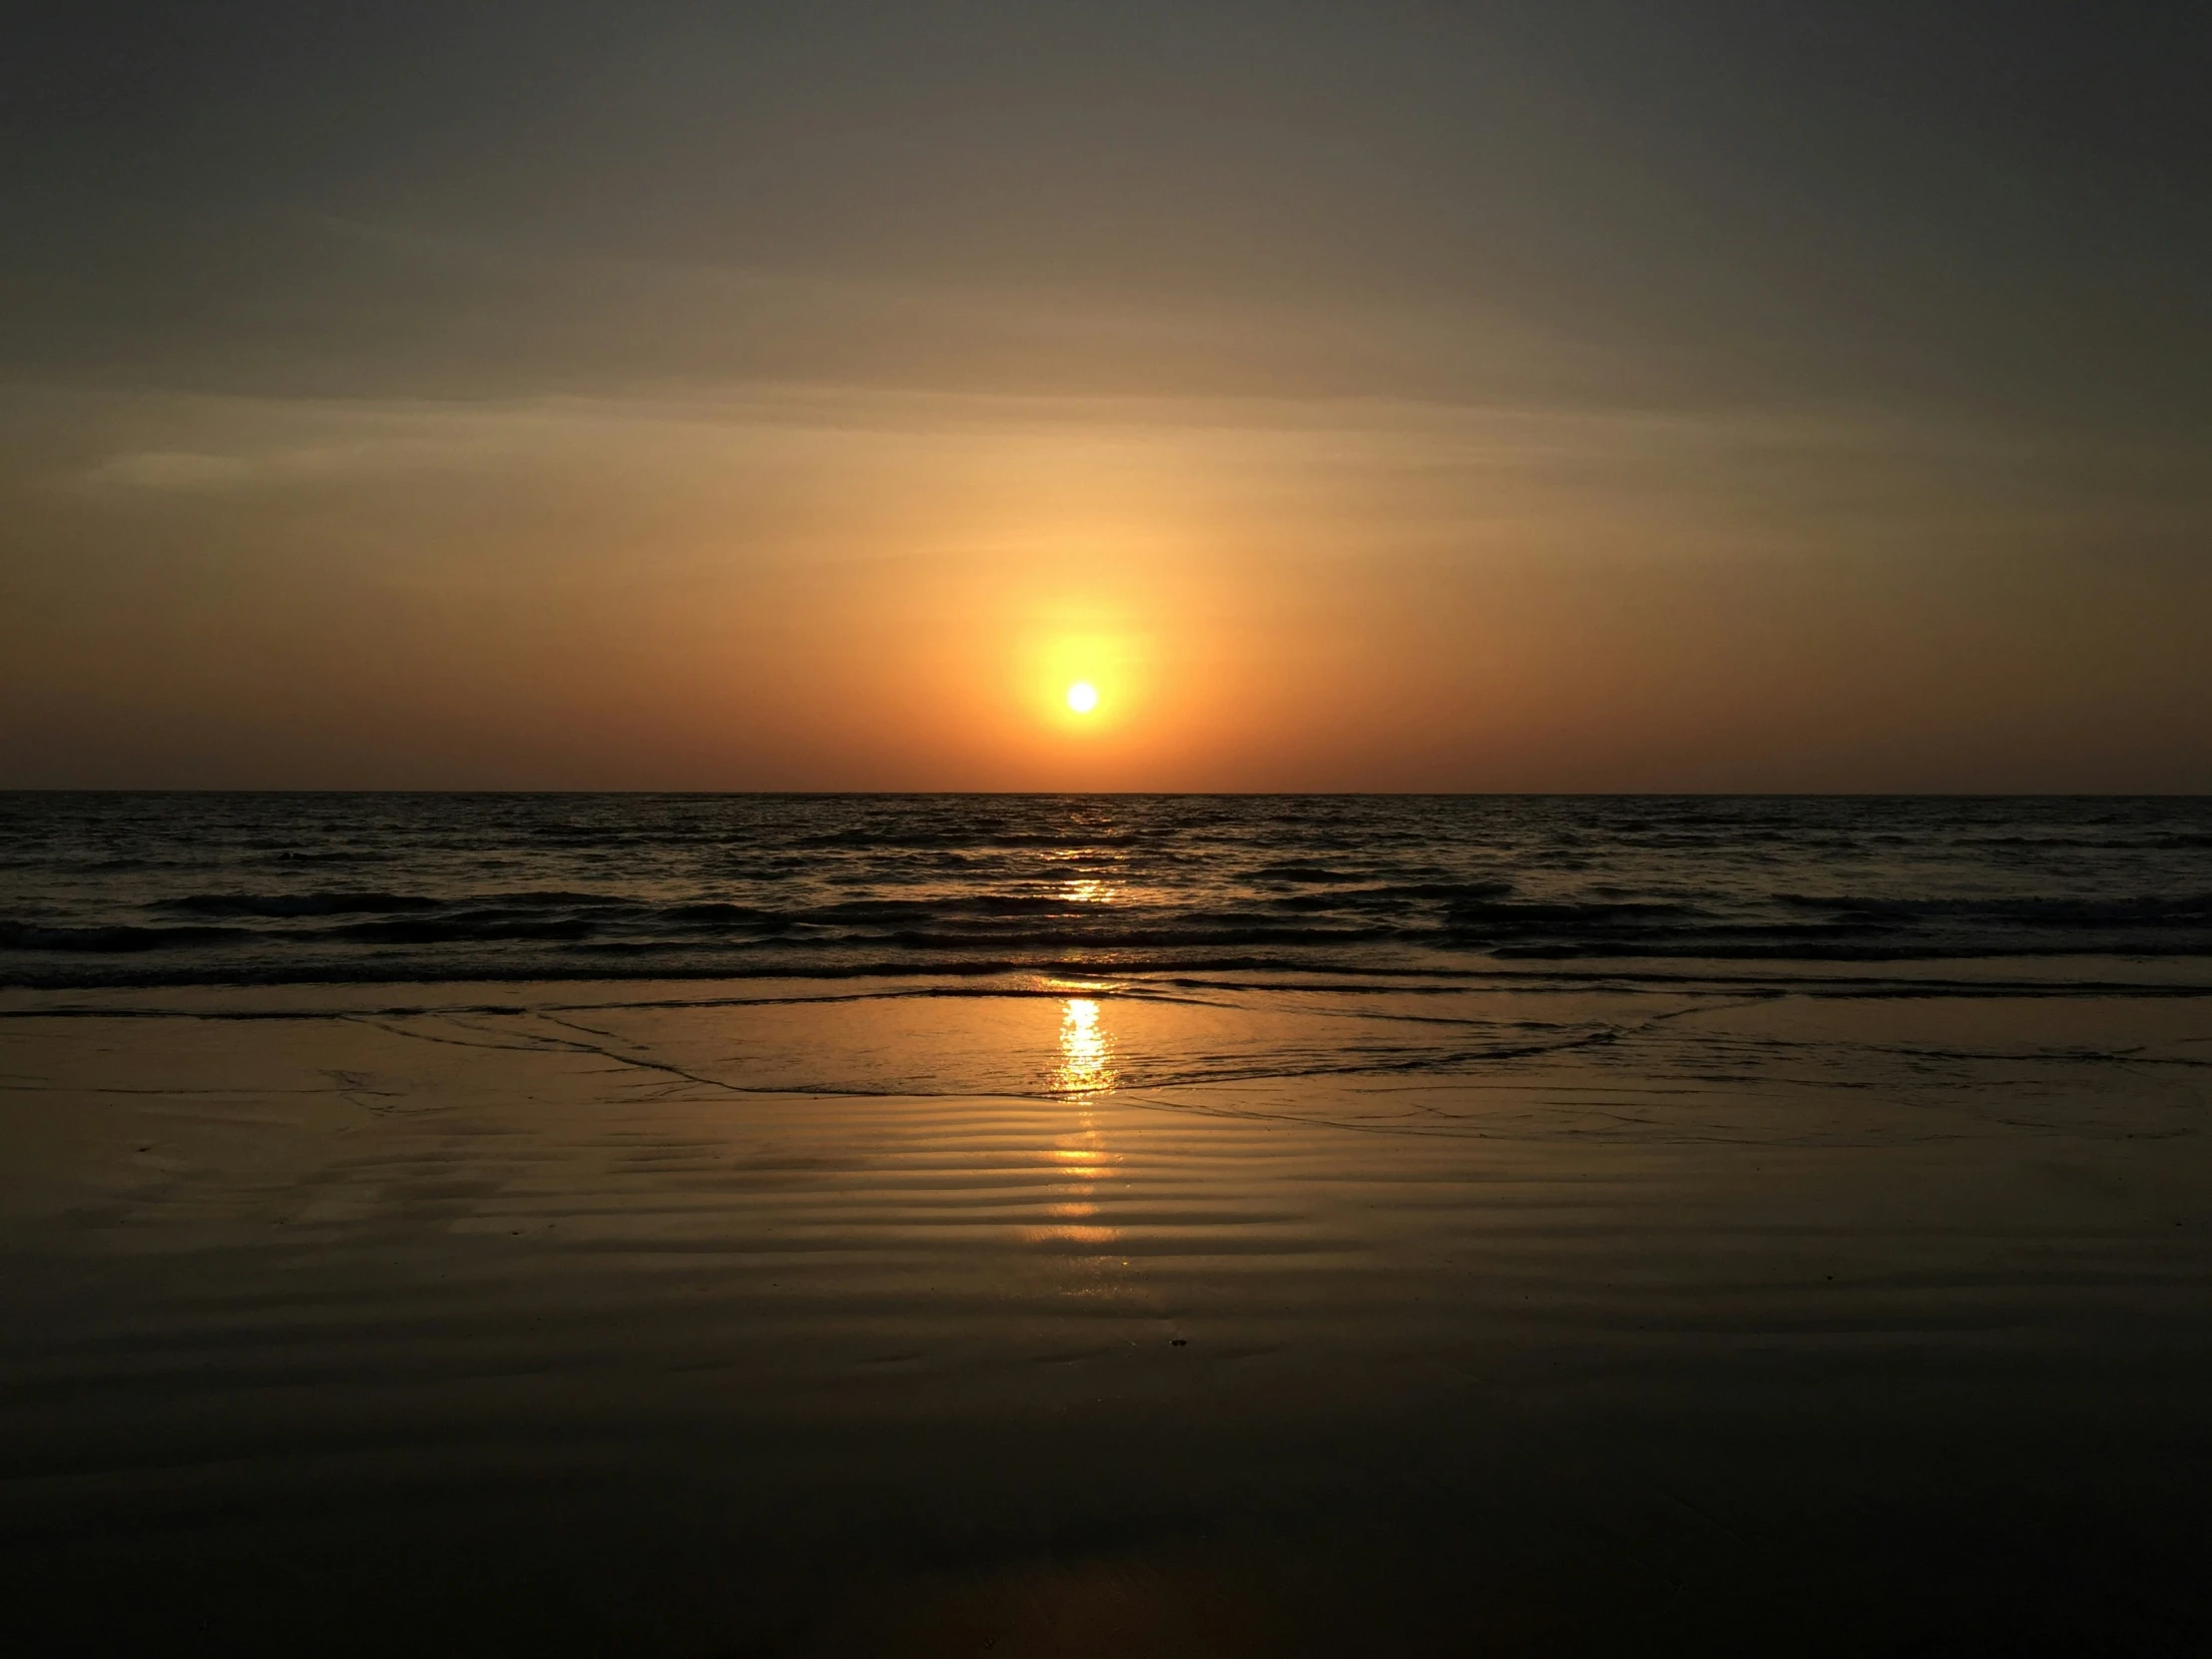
<point>123,889</point>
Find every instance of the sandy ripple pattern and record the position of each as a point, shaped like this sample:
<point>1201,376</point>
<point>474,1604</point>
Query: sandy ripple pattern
<point>1052,1313</point>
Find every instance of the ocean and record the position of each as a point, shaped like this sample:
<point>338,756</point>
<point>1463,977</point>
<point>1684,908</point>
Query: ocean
<point>266,889</point>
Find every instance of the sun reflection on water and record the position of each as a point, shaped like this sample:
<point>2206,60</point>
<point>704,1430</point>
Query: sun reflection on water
<point>1078,1157</point>
<point>1086,1051</point>
<point>1078,1160</point>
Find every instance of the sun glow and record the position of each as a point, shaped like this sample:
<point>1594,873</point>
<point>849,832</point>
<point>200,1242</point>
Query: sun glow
<point>1082,696</point>
<point>1086,1051</point>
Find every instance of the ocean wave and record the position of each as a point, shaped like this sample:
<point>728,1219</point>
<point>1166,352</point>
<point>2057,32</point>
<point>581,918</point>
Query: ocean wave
<point>275,906</point>
<point>2140,910</point>
<point>20,936</point>
<point>720,914</point>
<point>553,898</point>
<point>466,929</point>
<point>945,905</point>
<point>1504,919</point>
<point>1112,939</point>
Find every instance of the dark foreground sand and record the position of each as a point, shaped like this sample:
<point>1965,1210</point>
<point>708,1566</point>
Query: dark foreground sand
<point>543,1321</point>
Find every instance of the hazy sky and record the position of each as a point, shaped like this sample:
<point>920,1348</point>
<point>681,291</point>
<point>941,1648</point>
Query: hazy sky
<point>1576,394</point>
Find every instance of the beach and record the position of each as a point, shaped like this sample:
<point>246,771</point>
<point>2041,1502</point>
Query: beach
<point>837,830</point>
<point>1083,1314</point>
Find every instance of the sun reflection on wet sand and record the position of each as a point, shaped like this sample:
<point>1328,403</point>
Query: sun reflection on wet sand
<point>1086,1051</point>
<point>1079,1160</point>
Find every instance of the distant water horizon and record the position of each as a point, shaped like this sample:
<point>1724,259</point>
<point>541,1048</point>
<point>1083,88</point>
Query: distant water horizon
<point>273,888</point>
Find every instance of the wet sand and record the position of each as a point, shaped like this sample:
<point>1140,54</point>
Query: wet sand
<point>641,1320</point>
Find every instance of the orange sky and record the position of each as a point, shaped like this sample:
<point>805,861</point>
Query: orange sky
<point>1545,397</point>
<point>830,590</point>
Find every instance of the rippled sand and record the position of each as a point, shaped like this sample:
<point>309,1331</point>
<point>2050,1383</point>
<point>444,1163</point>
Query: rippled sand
<point>1094,1319</point>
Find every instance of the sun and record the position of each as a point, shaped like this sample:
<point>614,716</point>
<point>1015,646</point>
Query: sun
<point>1082,696</point>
